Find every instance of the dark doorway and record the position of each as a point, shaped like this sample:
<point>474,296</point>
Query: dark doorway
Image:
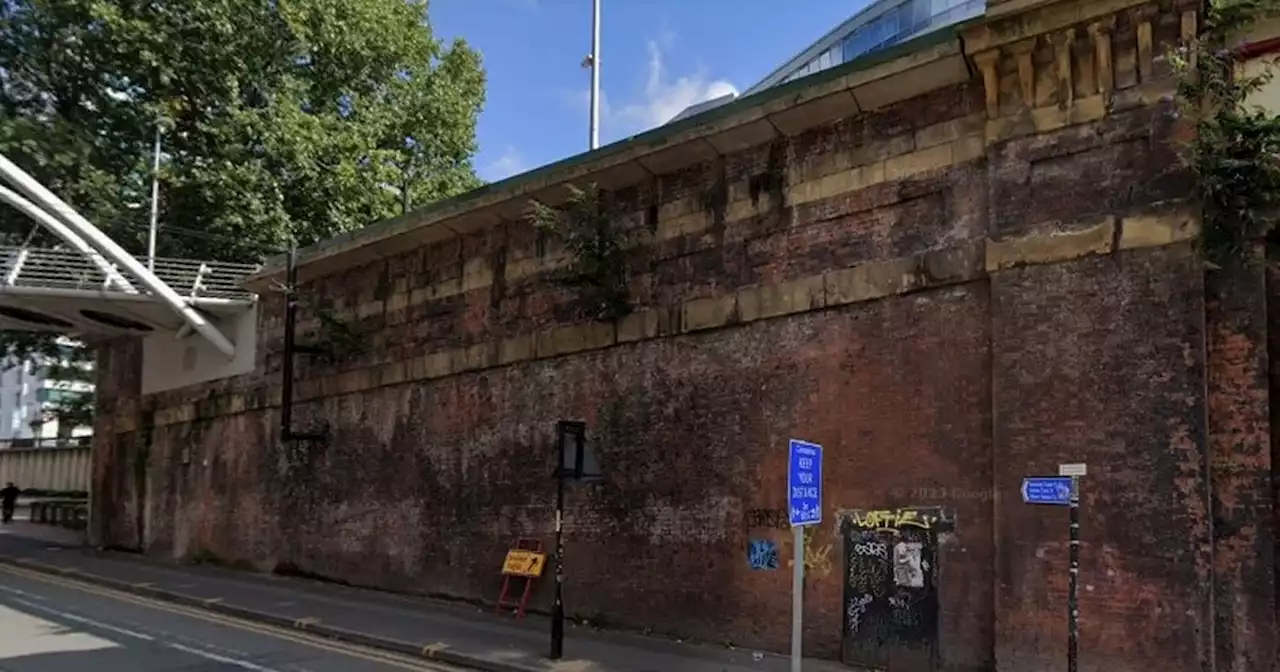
<point>890,592</point>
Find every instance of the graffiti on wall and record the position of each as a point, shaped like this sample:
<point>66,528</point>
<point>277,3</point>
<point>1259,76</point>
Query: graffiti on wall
<point>855,609</point>
<point>771,540</point>
<point>762,554</point>
<point>893,520</point>
<point>815,555</point>
<point>868,568</point>
<point>890,592</point>
<point>770,519</point>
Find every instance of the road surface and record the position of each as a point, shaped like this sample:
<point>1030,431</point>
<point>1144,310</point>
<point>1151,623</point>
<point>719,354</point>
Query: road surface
<point>50,624</point>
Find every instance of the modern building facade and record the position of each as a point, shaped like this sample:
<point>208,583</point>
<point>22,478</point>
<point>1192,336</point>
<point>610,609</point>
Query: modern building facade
<point>879,26</point>
<point>32,391</point>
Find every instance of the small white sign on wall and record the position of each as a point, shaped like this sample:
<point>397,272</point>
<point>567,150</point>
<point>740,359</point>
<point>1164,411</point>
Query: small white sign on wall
<point>1076,469</point>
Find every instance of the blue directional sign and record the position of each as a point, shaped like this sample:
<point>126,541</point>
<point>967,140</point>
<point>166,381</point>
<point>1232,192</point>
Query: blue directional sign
<point>1052,490</point>
<point>804,483</point>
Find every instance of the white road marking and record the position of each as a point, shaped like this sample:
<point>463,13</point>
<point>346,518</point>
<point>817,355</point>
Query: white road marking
<point>376,655</point>
<point>225,660</point>
<point>207,655</point>
<point>85,621</point>
<point>23,593</point>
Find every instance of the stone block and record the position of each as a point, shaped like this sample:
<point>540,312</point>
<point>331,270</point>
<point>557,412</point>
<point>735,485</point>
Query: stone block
<point>1156,229</point>
<point>1044,248</point>
<point>797,296</point>
<point>638,326</point>
<point>709,313</point>
<point>516,349</point>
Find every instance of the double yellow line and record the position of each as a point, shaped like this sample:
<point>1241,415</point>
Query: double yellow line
<point>314,641</point>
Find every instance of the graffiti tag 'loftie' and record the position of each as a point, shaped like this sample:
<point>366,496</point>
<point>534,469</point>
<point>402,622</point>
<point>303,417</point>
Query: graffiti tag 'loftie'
<point>887,519</point>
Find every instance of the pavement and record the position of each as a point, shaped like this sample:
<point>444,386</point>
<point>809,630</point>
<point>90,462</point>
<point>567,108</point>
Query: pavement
<point>49,624</point>
<point>429,630</point>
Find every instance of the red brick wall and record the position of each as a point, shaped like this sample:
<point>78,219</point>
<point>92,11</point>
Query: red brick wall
<point>1101,361</point>
<point>1117,354</point>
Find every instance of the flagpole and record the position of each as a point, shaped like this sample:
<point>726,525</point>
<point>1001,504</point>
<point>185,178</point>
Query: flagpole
<point>155,204</point>
<point>595,74</point>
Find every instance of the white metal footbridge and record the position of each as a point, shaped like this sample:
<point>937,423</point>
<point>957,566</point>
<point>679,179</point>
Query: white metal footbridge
<point>92,288</point>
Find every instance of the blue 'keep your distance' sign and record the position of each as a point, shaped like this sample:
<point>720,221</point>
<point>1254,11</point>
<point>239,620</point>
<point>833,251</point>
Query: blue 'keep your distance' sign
<point>804,483</point>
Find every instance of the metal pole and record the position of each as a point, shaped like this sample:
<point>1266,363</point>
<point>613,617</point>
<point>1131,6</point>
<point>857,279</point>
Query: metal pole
<point>1073,598</point>
<point>797,596</point>
<point>557,610</point>
<point>595,74</point>
<point>155,204</point>
<point>290,326</point>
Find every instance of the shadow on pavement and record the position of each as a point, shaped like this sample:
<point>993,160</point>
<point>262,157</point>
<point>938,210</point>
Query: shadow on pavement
<point>34,640</point>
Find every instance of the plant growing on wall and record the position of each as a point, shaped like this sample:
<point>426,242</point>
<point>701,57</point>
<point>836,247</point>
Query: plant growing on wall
<point>1234,149</point>
<point>598,266</point>
<point>336,337</point>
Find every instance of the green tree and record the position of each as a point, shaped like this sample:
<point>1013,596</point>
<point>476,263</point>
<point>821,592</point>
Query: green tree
<point>1234,147</point>
<point>293,119</point>
<point>298,118</point>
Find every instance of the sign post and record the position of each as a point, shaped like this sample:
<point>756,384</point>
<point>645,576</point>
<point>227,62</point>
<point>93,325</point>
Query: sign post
<point>1074,472</point>
<point>804,501</point>
<point>577,461</point>
<point>1064,490</point>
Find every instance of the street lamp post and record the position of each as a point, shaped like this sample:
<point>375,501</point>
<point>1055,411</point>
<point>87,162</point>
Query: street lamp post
<point>595,74</point>
<point>578,462</point>
<point>155,204</point>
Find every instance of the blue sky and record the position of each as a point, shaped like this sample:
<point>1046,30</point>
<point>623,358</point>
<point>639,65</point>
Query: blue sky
<point>658,56</point>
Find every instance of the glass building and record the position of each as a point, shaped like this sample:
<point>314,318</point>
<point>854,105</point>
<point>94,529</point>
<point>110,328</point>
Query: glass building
<point>881,25</point>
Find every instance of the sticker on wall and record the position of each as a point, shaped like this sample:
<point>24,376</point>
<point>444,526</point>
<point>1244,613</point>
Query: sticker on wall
<point>907,571</point>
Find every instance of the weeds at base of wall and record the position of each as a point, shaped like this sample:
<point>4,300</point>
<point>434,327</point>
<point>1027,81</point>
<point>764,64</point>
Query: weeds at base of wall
<point>291,570</point>
<point>1234,150</point>
<point>204,556</point>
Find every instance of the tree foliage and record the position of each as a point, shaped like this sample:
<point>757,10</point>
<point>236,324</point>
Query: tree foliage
<point>298,118</point>
<point>284,120</point>
<point>1234,147</point>
<point>597,259</point>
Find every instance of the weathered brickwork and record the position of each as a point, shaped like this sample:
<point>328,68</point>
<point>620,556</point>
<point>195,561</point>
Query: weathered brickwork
<point>949,292</point>
<point>1100,361</point>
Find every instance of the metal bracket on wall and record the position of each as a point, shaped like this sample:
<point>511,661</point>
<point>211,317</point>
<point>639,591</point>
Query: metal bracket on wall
<point>291,350</point>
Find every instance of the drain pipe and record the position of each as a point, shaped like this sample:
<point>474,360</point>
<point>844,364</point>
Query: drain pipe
<point>290,328</point>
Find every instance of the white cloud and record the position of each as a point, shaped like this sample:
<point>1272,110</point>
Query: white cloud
<point>510,163</point>
<point>660,99</point>
<point>665,98</point>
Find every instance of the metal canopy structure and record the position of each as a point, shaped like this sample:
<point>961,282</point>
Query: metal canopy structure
<point>93,287</point>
